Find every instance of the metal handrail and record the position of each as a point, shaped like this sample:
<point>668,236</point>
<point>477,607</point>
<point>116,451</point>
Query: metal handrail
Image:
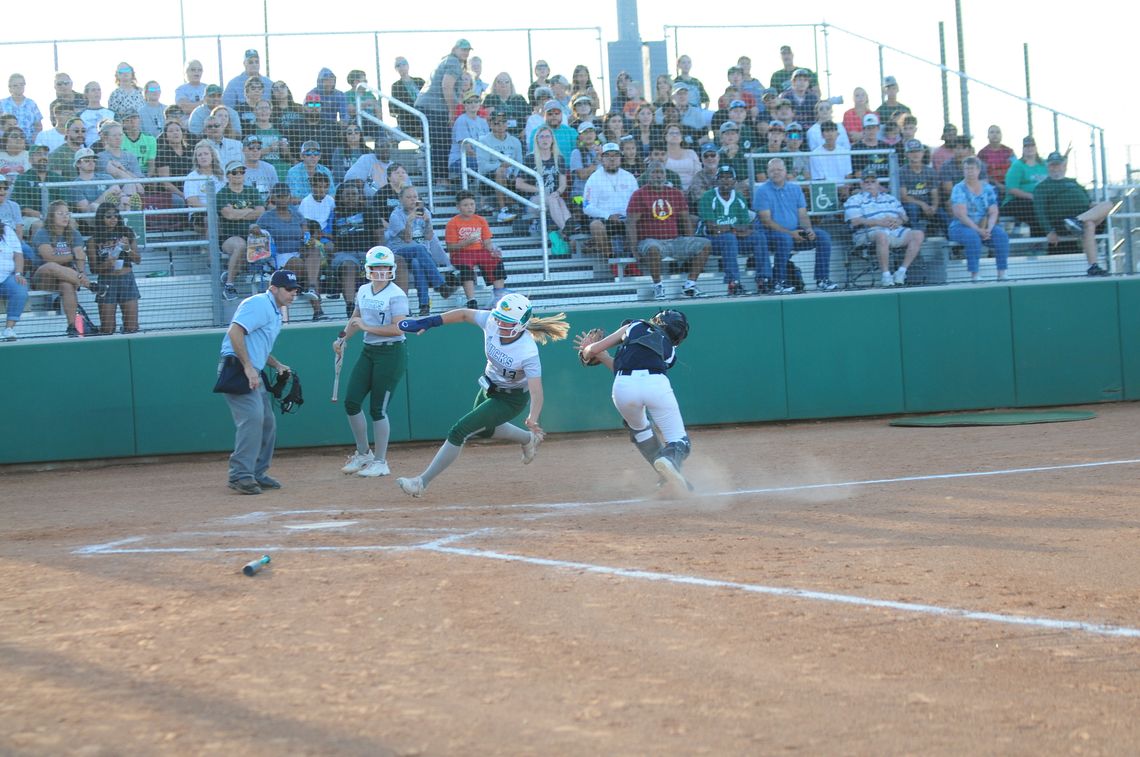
<point>540,206</point>
<point>424,144</point>
<point>210,210</point>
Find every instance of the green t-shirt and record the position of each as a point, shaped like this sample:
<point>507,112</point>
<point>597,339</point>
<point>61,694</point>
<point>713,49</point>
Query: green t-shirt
<point>1054,200</point>
<point>144,149</point>
<point>248,197</point>
<point>1024,177</point>
<point>26,190</point>
<point>714,209</point>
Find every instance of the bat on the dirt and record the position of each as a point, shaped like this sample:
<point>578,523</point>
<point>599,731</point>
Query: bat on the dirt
<point>337,360</point>
<point>255,565</point>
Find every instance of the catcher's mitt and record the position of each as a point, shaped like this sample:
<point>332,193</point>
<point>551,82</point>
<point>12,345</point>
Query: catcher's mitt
<point>585,339</point>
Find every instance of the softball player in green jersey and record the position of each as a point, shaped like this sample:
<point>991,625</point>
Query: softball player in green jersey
<point>380,305</point>
<point>512,376</point>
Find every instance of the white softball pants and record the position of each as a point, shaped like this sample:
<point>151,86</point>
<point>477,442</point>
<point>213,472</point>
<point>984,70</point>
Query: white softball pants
<point>644,391</point>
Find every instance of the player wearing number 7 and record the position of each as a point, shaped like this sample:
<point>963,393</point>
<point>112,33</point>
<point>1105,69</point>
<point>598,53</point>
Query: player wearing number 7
<point>512,376</point>
<point>380,304</point>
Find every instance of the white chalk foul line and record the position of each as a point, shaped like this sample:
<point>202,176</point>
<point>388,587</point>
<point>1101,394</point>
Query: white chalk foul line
<point>116,548</point>
<point>819,596</point>
<point>929,477</point>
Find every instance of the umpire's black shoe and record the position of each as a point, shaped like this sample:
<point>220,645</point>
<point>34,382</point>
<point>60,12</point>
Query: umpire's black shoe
<point>268,482</point>
<point>245,486</point>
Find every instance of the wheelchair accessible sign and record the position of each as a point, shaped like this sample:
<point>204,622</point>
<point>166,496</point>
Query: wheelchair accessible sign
<point>824,198</point>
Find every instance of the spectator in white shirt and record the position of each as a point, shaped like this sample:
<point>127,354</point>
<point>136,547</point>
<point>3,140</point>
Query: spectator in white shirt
<point>605,199</point>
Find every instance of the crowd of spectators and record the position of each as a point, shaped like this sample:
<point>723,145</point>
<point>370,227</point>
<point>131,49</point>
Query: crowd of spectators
<point>325,187</point>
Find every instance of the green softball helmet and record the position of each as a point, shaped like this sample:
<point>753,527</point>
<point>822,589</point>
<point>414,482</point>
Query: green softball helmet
<point>380,264</point>
<point>512,312</point>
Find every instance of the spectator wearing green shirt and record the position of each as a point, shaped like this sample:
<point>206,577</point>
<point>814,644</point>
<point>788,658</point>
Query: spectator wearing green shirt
<point>239,207</point>
<point>143,146</point>
<point>726,220</point>
<point>1062,207</point>
<point>1025,173</point>
<point>26,192</point>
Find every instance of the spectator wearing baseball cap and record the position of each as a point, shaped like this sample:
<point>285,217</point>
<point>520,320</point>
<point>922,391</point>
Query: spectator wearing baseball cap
<point>775,136</point>
<point>697,96</point>
<point>212,99</point>
<point>438,101</point>
<point>259,174</point>
<point>299,177</point>
<point>585,159</point>
<point>704,179</point>
<point>824,111</point>
<point>827,164</point>
<point>313,127</point>
<point>469,125</point>
<point>25,189</point>
<point>877,219</point>
<point>891,109</point>
<point>782,77</point>
<point>502,141</point>
<point>566,137</point>
<point>727,222</point>
<point>801,96</point>
<point>143,146</point>
<point>1063,208</point>
<point>920,193</point>
<point>581,109</point>
<point>605,198</point>
<point>799,166</point>
<point>234,93</point>
<point>861,159</point>
<point>694,126</point>
<point>731,153</point>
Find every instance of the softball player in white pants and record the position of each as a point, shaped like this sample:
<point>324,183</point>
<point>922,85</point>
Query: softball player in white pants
<point>647,350</point>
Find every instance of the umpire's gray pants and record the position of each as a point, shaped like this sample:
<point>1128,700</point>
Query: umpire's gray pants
<point>255,435</point>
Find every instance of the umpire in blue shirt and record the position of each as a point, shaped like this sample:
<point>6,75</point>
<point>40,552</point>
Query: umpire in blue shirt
<point>246,350</point>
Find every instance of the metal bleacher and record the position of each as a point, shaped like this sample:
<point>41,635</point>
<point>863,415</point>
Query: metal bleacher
<point>177,290</point>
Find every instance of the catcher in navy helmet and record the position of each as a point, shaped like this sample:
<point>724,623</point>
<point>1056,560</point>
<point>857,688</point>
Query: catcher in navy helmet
<point>646,350</point>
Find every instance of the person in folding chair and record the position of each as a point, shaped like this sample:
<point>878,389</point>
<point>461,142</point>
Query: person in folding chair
<point>878,219</point>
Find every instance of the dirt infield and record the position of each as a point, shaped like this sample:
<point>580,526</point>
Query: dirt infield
<point>832,589</point>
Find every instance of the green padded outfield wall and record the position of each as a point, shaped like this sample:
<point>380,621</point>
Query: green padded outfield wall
<point>747,360</point>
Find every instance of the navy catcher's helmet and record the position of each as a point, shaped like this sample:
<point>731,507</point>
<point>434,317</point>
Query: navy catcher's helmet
<point>673,323</point>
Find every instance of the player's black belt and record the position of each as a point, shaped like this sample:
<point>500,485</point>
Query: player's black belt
<point>650,371</point>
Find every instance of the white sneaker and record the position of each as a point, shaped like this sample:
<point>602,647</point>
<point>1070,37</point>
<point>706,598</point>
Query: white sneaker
<point>886,280</point>
<point>9,334</point>
<point>357,462</point>
<point>505,215</point>
<point>413,487</point>
<point>900,277</point>
<point>374,469</point>
<point>530,448</point>
<point>659,291</point>
<point>669,472</point>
